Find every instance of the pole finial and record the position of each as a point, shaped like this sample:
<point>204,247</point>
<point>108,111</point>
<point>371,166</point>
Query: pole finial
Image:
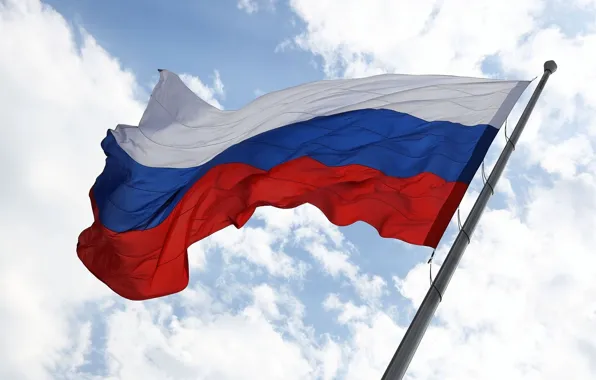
<point>550,66</point>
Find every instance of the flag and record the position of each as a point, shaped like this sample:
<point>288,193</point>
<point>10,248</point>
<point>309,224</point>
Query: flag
<point>395,151</point>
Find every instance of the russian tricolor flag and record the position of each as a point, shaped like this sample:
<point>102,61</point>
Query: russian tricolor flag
<point>395,151</point>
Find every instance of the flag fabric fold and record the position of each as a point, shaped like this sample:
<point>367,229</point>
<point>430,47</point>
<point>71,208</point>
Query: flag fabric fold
<point>395,151</point>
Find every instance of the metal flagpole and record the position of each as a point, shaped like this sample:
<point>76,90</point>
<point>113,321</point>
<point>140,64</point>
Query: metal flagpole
<point>407,348</point>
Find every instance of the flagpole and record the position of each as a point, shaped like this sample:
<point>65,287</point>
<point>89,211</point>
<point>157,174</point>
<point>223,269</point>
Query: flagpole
<point>409,344</point>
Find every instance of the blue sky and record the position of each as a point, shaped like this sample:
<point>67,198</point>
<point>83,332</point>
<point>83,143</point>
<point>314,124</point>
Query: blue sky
<point>198,37</point>
<point>290,295</point>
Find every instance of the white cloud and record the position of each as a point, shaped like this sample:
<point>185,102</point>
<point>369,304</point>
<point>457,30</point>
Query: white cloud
<point>55,104</point>
<point>202,345</point>
<point>412,36</point>
<point>337,262</point>
<point>253,6</point>
<point>348,311</point>
<point>324,242</point>
<point>250,6</point>
<point>207,93</point>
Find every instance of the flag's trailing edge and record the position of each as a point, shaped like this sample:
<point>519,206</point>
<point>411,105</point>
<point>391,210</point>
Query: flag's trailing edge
<point>395,151</point>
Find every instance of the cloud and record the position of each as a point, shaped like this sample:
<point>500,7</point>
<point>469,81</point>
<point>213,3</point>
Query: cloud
<point>207,93</point>
<point>414,36</point>
<point>203,345</point>
<point>253,6</point>
<point>249,6</point>
<point>56,102</point>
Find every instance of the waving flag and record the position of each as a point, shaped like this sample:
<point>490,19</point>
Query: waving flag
<point>395,151</point>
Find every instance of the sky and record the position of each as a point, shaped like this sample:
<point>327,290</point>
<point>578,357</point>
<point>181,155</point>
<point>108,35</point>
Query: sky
<point>290,296</point>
